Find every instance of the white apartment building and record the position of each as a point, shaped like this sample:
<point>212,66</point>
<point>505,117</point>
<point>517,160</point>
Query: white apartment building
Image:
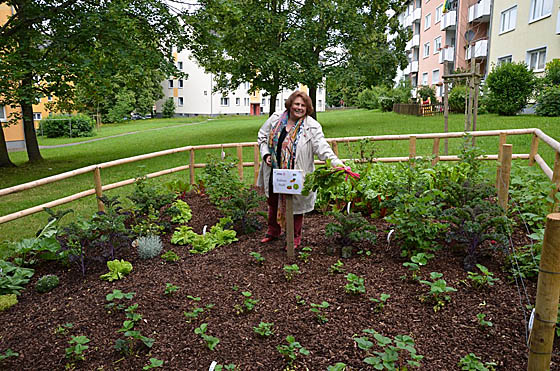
<point>193,96</point>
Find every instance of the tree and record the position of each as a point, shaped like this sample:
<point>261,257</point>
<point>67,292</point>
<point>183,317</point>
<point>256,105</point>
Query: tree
<point>168,108</point>
<point>49,47</point>
<point>509,87</point>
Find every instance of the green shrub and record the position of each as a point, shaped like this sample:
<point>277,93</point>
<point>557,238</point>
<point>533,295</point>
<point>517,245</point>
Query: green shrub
<point>549,101</point>
<point>509,87</point>
<point>149,246</point>
<point>46,283</point>
<point>457,98</point>
<point>13,278</point>
<point>7,301</point>
<point>169,108</point>
<point>369,98</point>
<point>427,91</point>
<point>123,106</point>
<point>386,103</point>
<point>552,72</point>
<point>79,125</point>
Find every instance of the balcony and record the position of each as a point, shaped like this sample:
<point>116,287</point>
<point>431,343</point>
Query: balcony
<point>413,43</point>
<point>449,21</point>
<point>447,54</point>
<point>480,49</point>
<point>408,21</point>
<point>480,12</point>
<point>413,66</point>
<point>417,15</point>
<point>406,70</point>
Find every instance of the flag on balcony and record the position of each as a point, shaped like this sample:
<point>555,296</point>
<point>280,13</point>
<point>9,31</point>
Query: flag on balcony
<point>446,6</point>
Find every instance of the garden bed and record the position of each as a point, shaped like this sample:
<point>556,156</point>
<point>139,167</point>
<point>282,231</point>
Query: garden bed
<point>220,276</point>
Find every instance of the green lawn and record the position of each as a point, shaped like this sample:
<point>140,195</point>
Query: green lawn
<point>222,130</point>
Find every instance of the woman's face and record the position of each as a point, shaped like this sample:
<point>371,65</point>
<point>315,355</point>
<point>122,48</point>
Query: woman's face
<point>298,109</point>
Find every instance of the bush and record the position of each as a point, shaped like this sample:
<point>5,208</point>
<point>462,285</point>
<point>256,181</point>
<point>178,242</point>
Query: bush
<point>7,301</point>
<point>386,103</point>
<point>79,125</point>
<point>46,283</point>
<point>169,108</point>
<point>369,98</point>
<point>509,87</point>
<point>457,98</point>
<point>123,106</point>
<point>149,246</point>
<point>427,91</point>
<point>552,72</point>
<point>549,101</point>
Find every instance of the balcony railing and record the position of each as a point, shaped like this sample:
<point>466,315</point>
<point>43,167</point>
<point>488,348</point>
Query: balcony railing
<point>447,54</point>
<point>480,11</point>
<point>414,66</point>
<point>417,15</point>
<point>449,21</point>
<point>480,49</point>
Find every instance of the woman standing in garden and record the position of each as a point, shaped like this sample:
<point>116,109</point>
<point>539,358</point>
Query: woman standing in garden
<point>289,140</point>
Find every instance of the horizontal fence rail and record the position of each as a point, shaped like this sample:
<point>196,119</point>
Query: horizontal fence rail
<point>99,188</point>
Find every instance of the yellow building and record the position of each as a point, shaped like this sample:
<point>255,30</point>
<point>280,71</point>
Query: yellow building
<point>15,138</point>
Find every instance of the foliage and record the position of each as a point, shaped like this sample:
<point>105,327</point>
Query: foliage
<point>46,283</point>
<point>117,270</point>
<point>170,289</point>
<point>258,257</point>
<point>114,299</point>
<point>13,278</point>
<point>170,256</point>
<point>523,262</point>
<point>122,107</point>
<point>425,92</point>
<point>548,101</point>
<point>509,87</point>
<point>337,267</point>
<point>291,351</point>
<point>63,329</point>
<point>318,309</point>
<point>482,322</point>
<point>380,302</point>
<point>331,184</point>
<point>73,126</point>
<point>482,280</point>
<point>471,362</point>
<point>369,98</point>
<point>339,366</point>
<point>154,363</point>
<point>211,341</point>
<point>416,261</point>
<point>350,229</point>
<point>183,235</point>
<point>248,303</point>
<point>75,352</point>
<point>7,354</point>
<point>552,72</point>
<point>149,246</point>
<point>146,195</point>
<point>201,244</point>
<point>264,329</point>
<point>240,207</point>
<point>457,97</point>
<point>181,212</point>
<point>290,271</point>
<point>131,335</point>
<point>148,225</point>
<point>7,301</point>
<point>168,108</point>
<point>355,284</point>
<point>305,253</point>
<point>391,357</point>
<point>438,291</point>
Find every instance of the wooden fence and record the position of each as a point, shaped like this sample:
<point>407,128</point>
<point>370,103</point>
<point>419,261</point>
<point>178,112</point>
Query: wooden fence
<point>417,109</point>
<point>99,188</point>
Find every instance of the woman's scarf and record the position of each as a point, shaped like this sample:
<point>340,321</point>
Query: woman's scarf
<point>287,157</point>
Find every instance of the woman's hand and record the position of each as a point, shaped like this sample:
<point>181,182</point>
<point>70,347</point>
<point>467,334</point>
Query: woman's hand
<point>268,160</point>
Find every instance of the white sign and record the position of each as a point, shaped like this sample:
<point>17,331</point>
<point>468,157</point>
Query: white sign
<point>287,181</point>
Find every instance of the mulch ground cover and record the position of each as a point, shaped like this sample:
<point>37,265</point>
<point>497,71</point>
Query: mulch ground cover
<point>220,277</point>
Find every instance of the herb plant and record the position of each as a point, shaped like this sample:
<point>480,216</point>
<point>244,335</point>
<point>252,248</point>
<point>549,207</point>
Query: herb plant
<point>290,271</point>
<point>170,289</point>
<point>292,349</point>
<point>7,354</point>
<point>264,329</point>
<point>75,352</point>
<point>395,354</point>
<point>482,322</point>
<point>482,279</point>
<point>380,303</point>
<point>181,212</point>
<point>318,309</point>
<point>117,270</point>
<point>351,228</point>
<point>63,329</point>
<point>471,362</point>
<point>337,267</point>
<point>439,290</point>
<point>416,261</point>
<point>154,363</point>
<point>131,335</point>
<point>170,256</point>
<point>146,195</point>
<point>149,246</point>
<point>304,254</point>
<point>211,341</point>
<point>115,299</point>
<point>339,366</point>
<point>258,257</point>
<point>13,278</point>
<point>46,283</point>
<point>7,301</point>
<point>355,284</point>
<point>248,303</point>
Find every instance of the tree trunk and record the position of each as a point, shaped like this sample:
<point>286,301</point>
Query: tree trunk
<point>31,143</point>
<point>313,96</point>
<point>4,157</point>
<point>272,104</point>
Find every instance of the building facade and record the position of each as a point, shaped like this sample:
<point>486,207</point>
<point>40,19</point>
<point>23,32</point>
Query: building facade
<point>194,96</point>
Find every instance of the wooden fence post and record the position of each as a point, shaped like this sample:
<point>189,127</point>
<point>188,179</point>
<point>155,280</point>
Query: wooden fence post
<point>191,165</point>
<point>335,147</point>
<point>534,149</point>
<point>98,189</point>
<point>556,182</point>
<point>435,151</point>
<point>289,226</point>
<point>256,161</point>
<point>240,163</point>
<point>546,306</point>
<point>412,147</point>
<point>503,138</point>
<point>446,114</point>
<point>503,181</point>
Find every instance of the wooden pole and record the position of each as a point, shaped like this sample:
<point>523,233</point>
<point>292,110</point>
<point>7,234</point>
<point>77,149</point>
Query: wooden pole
<point>191,165</point>
<point>98,189</point>
<point>412,147</point>
<point>475,102</point>
<point>240,163</point>
<point>256,161</point>
<point>534,149</point>
<point>503,183</point>
<point>445,114</point>
<point>435,151</point>
<point>546,307</point>
<point>503,138</point>
<point>290,226</point>
<point>335,147</point>
<point>556,182</point>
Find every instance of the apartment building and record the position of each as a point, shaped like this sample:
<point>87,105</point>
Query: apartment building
<point>195,96</point>
<point>525,31</point>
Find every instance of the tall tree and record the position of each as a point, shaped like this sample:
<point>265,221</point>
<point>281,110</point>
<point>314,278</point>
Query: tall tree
<point>48,47</point>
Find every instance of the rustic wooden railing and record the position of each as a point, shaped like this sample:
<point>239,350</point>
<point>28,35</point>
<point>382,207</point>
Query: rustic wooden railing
<point>99,188</point>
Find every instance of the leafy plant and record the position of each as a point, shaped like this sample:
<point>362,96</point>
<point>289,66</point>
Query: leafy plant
<point>484,279</point>
<point>337,267</point>
<point>13,278</point>
<point>333,186</point>
<point>439,290</point>
<point>7,301</point>
<point>211,341</point>
<point>154,363</point>
<point>117,270</point>
<point>181,212</point>
<point>46,283</point>
<point>258,257</point>
<point>482,322</point>
<point>131,335</point>
<point>170,256</point>
<point>170,289</point>
<point>219,180</point>
<point>183,235</point>
<point>471,362</point>
<point>291,351</point>
<point>230,366</point>
<point>70,126</point>
<point>241,208</point>
<point>75,352</point>
<point>304,254</point>
<point>63,329</point>
<point>509,87</point>
<point>146,196</point>
<point>149,246</point>
<point>248,303</point>
<point>416,261</point>
<point>318,309</point>
<point>350,229</point>
<point>7,354</point>
<point>149,224</point>
<point>380,302</point>
<point>114,299</point>
<point>390,357</point>
<point>290,271</point>
<point>339,366</point>
<point>264,329</point>
<point>355,284</point>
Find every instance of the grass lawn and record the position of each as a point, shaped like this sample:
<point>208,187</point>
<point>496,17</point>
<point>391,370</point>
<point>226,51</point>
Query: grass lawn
<point>222,130</point>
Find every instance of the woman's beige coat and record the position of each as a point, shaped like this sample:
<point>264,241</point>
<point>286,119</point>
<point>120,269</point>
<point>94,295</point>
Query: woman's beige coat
<point>311,142</point>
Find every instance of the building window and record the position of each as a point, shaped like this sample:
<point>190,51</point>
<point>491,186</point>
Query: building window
<point>437,44</point>
<point>2,114</point>
<point>247,85</point>
<point>180,66</point>
<point>536,59</point>
<point>180,101</point>
<point>426,49</point>
<point>237,101</point>
<point>224,101</point>
<point>49,98</point>
<point>37,116</point>
<point>205,92</point>
<point>507,19</point>
<point>170,84</point>
<point>277,102</point>
<point>320,103</point>
<point>246,101</point>
<point>439,11</point>
<point>425,78</point>
<point>180,84</point>
<point>506,59</point>
<point>263,102</point>
<point>435,76</point>
<point>540,9</point>
<point>427,21</point>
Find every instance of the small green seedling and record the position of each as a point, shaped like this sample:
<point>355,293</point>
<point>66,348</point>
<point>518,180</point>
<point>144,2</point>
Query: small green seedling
<point>355,284</point>
<point>318,310</point>
<point>248,303</point>
<point>7,354</point>
<point>380,302</point>
<point>154,363</point>
<point>290,271</point>
<point>391,357</point>
<point>170,256</point>
<point>230,367</point>
<point>264,329</point>
<point>300,300</point>
<point>337,267</point>
<point>170,289</point>
<point>258,257</point>
<point>482,280</point>
<point>339,366</point>
<point>291,351</point>
<point>438,291</point>
<point>472,362</point>
<point>75,352</point>
<point>304,254</point>
<point>482,322</point>
<point>63,329</point>
<point>115,297</point>
<point>211,341</point>
<point>417,261</point>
